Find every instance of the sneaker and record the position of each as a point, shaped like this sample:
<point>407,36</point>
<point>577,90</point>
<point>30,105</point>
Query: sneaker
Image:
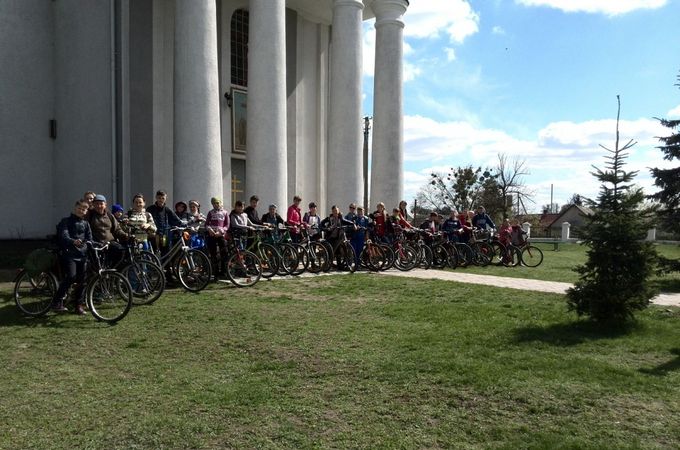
<point>79,310</point>
<point>58,307</point>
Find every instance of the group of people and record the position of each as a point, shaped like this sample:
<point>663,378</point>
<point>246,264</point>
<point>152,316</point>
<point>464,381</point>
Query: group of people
<point>91,220</point>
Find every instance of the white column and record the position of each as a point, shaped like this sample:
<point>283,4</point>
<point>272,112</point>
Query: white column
<point>387,177</point>
<point>266,163</point>
<point>197,160</point>
<point>344,173</point>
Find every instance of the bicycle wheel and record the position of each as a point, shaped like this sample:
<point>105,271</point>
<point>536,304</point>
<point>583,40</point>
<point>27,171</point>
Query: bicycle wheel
<point>193,270</point>
<point>147,281</point>
<point>424,256</point>
<point>465,254</point>
<point>440,257</point>
<point>302,259</point>
<point>109,296</point>
<point>33,295</point>
<point>499,252</point>
<point>329,251</point>
<point>318,257</point>
<point>482,253</point>
<point>346,258</point>
<point>532,256</point>
<point>373,257</point>
<point>147,255</point>
<point>243,268</point>
<point>269,260</point>
<point>390,256</point>
<point>406,258</point>
<point>512,256</point>
<point>289,259</point>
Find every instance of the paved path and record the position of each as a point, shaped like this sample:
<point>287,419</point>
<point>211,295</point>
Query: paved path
<point>512,283</point>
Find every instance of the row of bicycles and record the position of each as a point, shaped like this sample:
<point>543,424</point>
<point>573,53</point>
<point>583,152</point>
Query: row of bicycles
<point>140,277</point>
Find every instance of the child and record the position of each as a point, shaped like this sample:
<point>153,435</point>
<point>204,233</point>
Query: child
<point>359,237</point>
<point>217,225</point>
<point>518,237</point>
<point>182,213</point>
<point>239,223</point>
<point>72,234</point>
<point>117,211</point>
<point>140,220</point>
<point>313,222</point>
<point>195,212</point>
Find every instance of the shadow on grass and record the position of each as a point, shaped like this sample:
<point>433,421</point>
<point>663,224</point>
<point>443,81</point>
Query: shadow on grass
<point>665,368</point>
<point>10,316</point>
<point>570,333</point>
<point>666,285</point>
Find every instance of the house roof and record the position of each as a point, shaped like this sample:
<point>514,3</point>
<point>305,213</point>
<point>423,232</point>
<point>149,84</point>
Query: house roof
<point>581,209</point>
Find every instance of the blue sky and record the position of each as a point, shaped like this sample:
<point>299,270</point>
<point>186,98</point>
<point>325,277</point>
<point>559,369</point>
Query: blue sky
<point>536,79</point>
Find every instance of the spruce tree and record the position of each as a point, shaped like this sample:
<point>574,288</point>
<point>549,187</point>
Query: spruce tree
<point>668,180</point>
<point>613,283</point>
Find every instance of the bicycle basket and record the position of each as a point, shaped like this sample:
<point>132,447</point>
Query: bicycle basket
<point>40,260</point>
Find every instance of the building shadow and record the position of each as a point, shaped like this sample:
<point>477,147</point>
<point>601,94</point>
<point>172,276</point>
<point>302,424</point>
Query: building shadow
<point>569,333</point>
<point>663,369</point>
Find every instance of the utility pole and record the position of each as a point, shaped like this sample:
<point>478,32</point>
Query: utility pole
<point>367,127</point>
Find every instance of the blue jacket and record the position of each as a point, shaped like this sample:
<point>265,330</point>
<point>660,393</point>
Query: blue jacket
<point>482,221</point>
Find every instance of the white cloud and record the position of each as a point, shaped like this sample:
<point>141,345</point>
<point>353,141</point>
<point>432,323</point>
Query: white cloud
<point>431,18</point>
<point>498,30</point>
<point>561,154</point>
<point>411,71</point>
<point>675,112</point>
<point>450,54</point>
<point>368,50</point>
<point>607,7</point>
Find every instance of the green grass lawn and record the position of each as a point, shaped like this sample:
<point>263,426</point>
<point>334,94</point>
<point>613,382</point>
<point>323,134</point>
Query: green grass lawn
<point>357,361</point>
<point>558,266</point>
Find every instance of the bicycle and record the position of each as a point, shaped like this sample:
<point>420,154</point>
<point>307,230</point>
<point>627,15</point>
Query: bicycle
<point>191,266</point>
<point>343,252</point>
<point>145,276</point>
<point>531,256</point>
<point>108,294</point>
<point>314,252</point>
<point>243,267</point>
<point>269,256</point>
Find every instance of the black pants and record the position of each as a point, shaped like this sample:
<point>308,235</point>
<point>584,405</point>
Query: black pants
<point>114,254</point>
<point>74,272</point>
<point>213,242</point>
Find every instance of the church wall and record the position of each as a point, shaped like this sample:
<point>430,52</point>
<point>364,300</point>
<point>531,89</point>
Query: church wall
<point>26,107</point>
<point>307,89</point>
<point>84,158</point>
<point>163,95</point>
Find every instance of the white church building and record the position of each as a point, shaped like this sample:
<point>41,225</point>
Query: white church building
<point>200,98</point>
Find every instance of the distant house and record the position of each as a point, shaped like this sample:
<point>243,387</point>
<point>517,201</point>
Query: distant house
<point>576,216</point>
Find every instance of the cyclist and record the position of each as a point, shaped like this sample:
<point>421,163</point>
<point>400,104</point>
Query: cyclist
<point>217,224</point>
<point>239,223</point>
<point>164,218</point>
<point>117,211</point>
<point>333,226</point>
<point>313,222</point>
<point>362,223</point>
<point>403,210</point>
<point>379,217</point>
<point>273,219</point>
<point>106,229</point>
<point>195,212</point>
<point>88,197</point>
<point>72,234</point>
<point>465,226</point>
<point>181,212</point>
<point>251,210</point>
<point>452,227</point>
<point>294,218</point>
<point>482,220</point>
<point>504,232</point>
<point>140,219</point>
<point>431,224</point>
<point>351,215</point>
<point>518,236</point>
